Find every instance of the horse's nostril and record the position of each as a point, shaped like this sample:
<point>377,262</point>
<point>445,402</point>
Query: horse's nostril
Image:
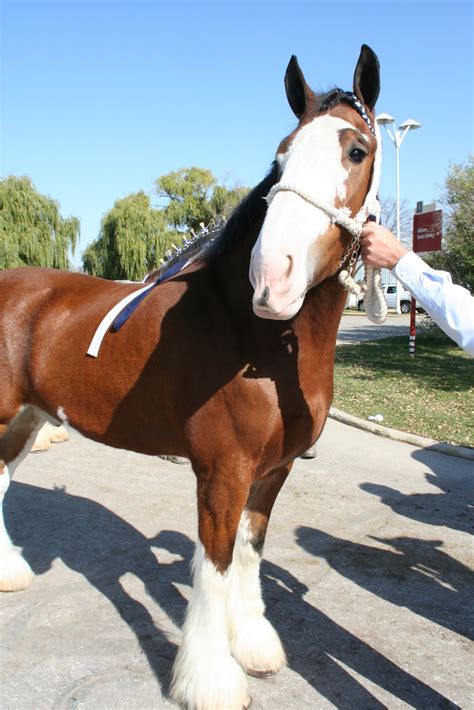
<point>263,300</point>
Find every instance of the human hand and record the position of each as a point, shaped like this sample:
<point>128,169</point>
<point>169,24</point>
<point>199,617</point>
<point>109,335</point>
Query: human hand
<point>379,247</point>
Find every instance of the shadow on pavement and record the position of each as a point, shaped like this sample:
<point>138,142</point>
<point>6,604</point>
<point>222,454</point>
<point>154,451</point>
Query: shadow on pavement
<point>318,649</point>
<point>415,574</point>
<point>101,546</point>
<point>452,508</point>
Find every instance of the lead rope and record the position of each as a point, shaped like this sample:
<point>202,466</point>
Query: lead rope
<point>370,288</point>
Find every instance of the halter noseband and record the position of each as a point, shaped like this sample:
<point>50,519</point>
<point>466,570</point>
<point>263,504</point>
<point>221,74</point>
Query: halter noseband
<point>339,216</point>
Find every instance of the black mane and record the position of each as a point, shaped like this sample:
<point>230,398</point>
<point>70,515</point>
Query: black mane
<point>252,208</point>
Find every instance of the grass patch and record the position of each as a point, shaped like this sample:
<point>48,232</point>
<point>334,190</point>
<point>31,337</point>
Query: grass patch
<point>430,394</point>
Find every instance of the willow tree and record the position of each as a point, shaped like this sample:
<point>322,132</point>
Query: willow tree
<point>32,231</point>
<point>194,197</point>
<point>133,237</point>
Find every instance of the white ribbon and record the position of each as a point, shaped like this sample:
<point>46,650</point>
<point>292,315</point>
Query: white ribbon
<point>109,318</point>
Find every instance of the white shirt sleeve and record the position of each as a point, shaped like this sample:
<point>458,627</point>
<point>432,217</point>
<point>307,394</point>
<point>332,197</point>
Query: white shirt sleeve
<point>450,306</point>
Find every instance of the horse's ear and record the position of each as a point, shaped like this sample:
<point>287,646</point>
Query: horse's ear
<point>367,77</point>
<point>297,90</point>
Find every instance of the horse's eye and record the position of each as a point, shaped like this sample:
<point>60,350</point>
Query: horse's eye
<point>357,155</point>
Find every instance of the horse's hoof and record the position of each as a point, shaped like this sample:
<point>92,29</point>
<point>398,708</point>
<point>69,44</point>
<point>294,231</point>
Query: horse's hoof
<point>260,674</point>
<point>310,453</point>
<point>15,572</point>
<point>174,459</point>
<point>257,648</point>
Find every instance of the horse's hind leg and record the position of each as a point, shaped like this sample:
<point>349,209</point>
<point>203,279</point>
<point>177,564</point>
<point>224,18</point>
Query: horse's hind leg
<point>15,572</point>
<point>254,642</point>
<point>49,434</point>
<point>205,676</point>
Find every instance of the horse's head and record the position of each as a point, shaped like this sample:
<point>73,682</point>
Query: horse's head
<point>327,160</point>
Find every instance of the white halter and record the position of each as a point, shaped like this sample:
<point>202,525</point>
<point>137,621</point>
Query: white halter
<point>371,289</point>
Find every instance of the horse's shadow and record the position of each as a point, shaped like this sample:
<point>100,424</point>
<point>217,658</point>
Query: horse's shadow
<point>451,506</point>
<point>98,544</point>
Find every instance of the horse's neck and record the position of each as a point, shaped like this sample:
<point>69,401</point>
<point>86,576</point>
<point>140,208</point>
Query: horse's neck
<point>318,319</point>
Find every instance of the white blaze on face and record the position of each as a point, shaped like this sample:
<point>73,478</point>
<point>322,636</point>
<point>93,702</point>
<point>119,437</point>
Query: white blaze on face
<point>281,268</point>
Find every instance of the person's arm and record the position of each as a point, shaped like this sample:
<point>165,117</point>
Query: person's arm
<point>450,306</point>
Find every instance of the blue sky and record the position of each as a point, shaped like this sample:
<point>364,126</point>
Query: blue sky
<point>101,98</point>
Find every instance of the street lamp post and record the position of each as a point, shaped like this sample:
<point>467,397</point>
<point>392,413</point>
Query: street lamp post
<point>384,119</point>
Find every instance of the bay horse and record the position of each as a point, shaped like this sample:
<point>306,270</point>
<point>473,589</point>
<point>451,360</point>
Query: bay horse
<point>228,363</point>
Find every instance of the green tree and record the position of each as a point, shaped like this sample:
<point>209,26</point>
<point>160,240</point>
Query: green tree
<point>224,202</point>
<point>133,236</point>
<point>32,231</point>
<point>188,193</point>
<point>457,249</point>
<point>194,197</point>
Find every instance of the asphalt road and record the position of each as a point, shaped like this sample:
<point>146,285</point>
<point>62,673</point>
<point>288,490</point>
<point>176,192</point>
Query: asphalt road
<point>367,576</point>
<point>356,328</point>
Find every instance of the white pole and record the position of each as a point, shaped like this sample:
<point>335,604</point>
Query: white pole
<point>397,150</point>
<point>384,119</point>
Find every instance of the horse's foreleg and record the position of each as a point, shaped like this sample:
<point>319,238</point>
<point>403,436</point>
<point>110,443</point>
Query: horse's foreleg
<point>254,642</point>
<point>205,676</point>
<point>15,443</point>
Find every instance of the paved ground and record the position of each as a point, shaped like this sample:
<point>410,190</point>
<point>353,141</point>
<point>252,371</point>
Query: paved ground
<point>356,327</point>
<point>366,576</point>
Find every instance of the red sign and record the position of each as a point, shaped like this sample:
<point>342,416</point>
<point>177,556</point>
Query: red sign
<point>427,231</point>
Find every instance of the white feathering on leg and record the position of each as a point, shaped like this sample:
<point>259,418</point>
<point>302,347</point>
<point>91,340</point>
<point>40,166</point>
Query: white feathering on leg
<point>205,676</point>
<point>254,642</point>
<point>15,572</point>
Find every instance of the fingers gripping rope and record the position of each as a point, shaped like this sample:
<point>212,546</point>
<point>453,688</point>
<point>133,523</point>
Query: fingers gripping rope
<point>370,289</point>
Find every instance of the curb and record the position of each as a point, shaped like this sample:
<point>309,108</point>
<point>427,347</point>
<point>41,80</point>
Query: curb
<point>422,442</point>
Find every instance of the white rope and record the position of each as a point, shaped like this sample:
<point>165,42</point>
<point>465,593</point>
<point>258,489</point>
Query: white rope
<point>370,289</point>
